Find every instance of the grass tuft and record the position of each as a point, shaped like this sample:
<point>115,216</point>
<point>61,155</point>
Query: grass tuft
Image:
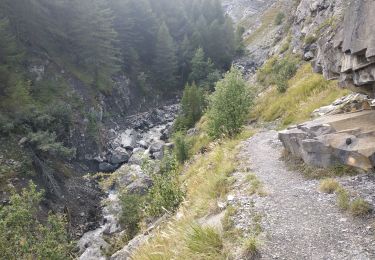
<point>250,247</point>
<point>343,198</point>
<point>329,185</point>
<point>205,241</point>
<point>256,186</point>
<point>359,207</point>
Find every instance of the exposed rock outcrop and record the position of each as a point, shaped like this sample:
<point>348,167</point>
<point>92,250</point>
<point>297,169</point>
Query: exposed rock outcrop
<point>340,41</point>
<point>356,41</point>
<point>336,139</point>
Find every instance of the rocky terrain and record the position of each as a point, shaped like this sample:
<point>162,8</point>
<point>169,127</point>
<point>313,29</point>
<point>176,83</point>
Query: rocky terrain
<point>129,149</point>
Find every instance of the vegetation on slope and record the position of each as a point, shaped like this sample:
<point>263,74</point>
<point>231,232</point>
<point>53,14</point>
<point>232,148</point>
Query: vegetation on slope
<point>205,178</point>
<point>306,92</point>
<point>23,236</point>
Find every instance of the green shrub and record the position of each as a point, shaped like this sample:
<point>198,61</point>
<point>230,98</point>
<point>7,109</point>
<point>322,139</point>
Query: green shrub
<point>279,18</point>
<point>45,142</point>
<point>22,236</point>
<point>6,125</point>
<point>181,149</point>
<point>278,72</point>
<point>131,213</point>
<point>165,194</point>
<point>229,105</point>
<point>192,105</point>
<point>286,45</point>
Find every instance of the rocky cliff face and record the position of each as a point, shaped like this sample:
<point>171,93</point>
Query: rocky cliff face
<point>337,36</point>
<point>240,10</point>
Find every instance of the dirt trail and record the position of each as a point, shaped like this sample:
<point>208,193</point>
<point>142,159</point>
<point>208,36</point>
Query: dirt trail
<point>298,221</point>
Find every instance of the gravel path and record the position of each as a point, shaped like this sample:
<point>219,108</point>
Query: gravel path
<point>298,221</point>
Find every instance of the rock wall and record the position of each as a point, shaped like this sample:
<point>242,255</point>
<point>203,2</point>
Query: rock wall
<point>341,40</point>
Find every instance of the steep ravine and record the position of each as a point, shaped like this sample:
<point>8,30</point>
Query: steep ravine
<point>148,139</point>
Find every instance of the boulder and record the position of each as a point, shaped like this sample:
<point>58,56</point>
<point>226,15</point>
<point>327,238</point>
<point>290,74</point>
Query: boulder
<point>158,155</point>
<point>133,179</point>
<point>157,147</point>
<point>107,167</point>
<point>119,156</point>
<point>332,140</point>
<point>127,139</point>
<point>143,144</point>
<point>137,157</point>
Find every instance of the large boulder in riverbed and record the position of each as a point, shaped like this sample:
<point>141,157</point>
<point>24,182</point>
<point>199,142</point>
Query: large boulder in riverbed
<point>138,156</point>
<point>337,139</point>
<point>133,179</point>
<point>119,156</point>
<point>107,167</point>
<point>127,139</point>
<point>157,147</point>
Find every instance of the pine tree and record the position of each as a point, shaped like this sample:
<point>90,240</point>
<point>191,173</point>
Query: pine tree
<point>239,44</point>
<point>200,68</point>
<point>165,62</point>
<point>14,90</point>
<point>94,39</point>
<point>135,23</point>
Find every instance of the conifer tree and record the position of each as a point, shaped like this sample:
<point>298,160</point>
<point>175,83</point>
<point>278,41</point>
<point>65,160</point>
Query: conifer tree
<point>165,62</point>
<point>200,68</point>
<point>94,40</point>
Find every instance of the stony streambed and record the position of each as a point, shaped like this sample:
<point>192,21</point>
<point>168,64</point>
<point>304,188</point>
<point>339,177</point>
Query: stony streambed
<point>147,139</point>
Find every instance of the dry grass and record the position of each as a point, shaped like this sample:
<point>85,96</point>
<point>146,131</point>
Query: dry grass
<point>256,186</point>
<point>307,91</point>
<point>343,198</point>
<point>250,247</point>
<point>359,207</point>
<point>329,185</point>
<point>205,241</point>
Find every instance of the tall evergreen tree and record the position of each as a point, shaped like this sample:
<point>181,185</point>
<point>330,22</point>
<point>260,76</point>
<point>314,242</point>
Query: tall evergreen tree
<point>94,39</point>
<point>165,62</point>
<point>135,23</point>
<point>200,68</point>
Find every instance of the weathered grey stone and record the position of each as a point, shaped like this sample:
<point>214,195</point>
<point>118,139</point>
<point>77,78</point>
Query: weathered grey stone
<point>143,144</point>
<point>308,56</point>
<point>332,139</point>
<point>119,155</point>
<point>133,179</point>
<point>158,155</point>
<point>157,147</point>
<point>137,156</point>
<point>128,139</point>
<point>107,167</point>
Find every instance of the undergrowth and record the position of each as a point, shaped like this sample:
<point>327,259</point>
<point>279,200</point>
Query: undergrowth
<point>206,178</point>
<point>306,92</point>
